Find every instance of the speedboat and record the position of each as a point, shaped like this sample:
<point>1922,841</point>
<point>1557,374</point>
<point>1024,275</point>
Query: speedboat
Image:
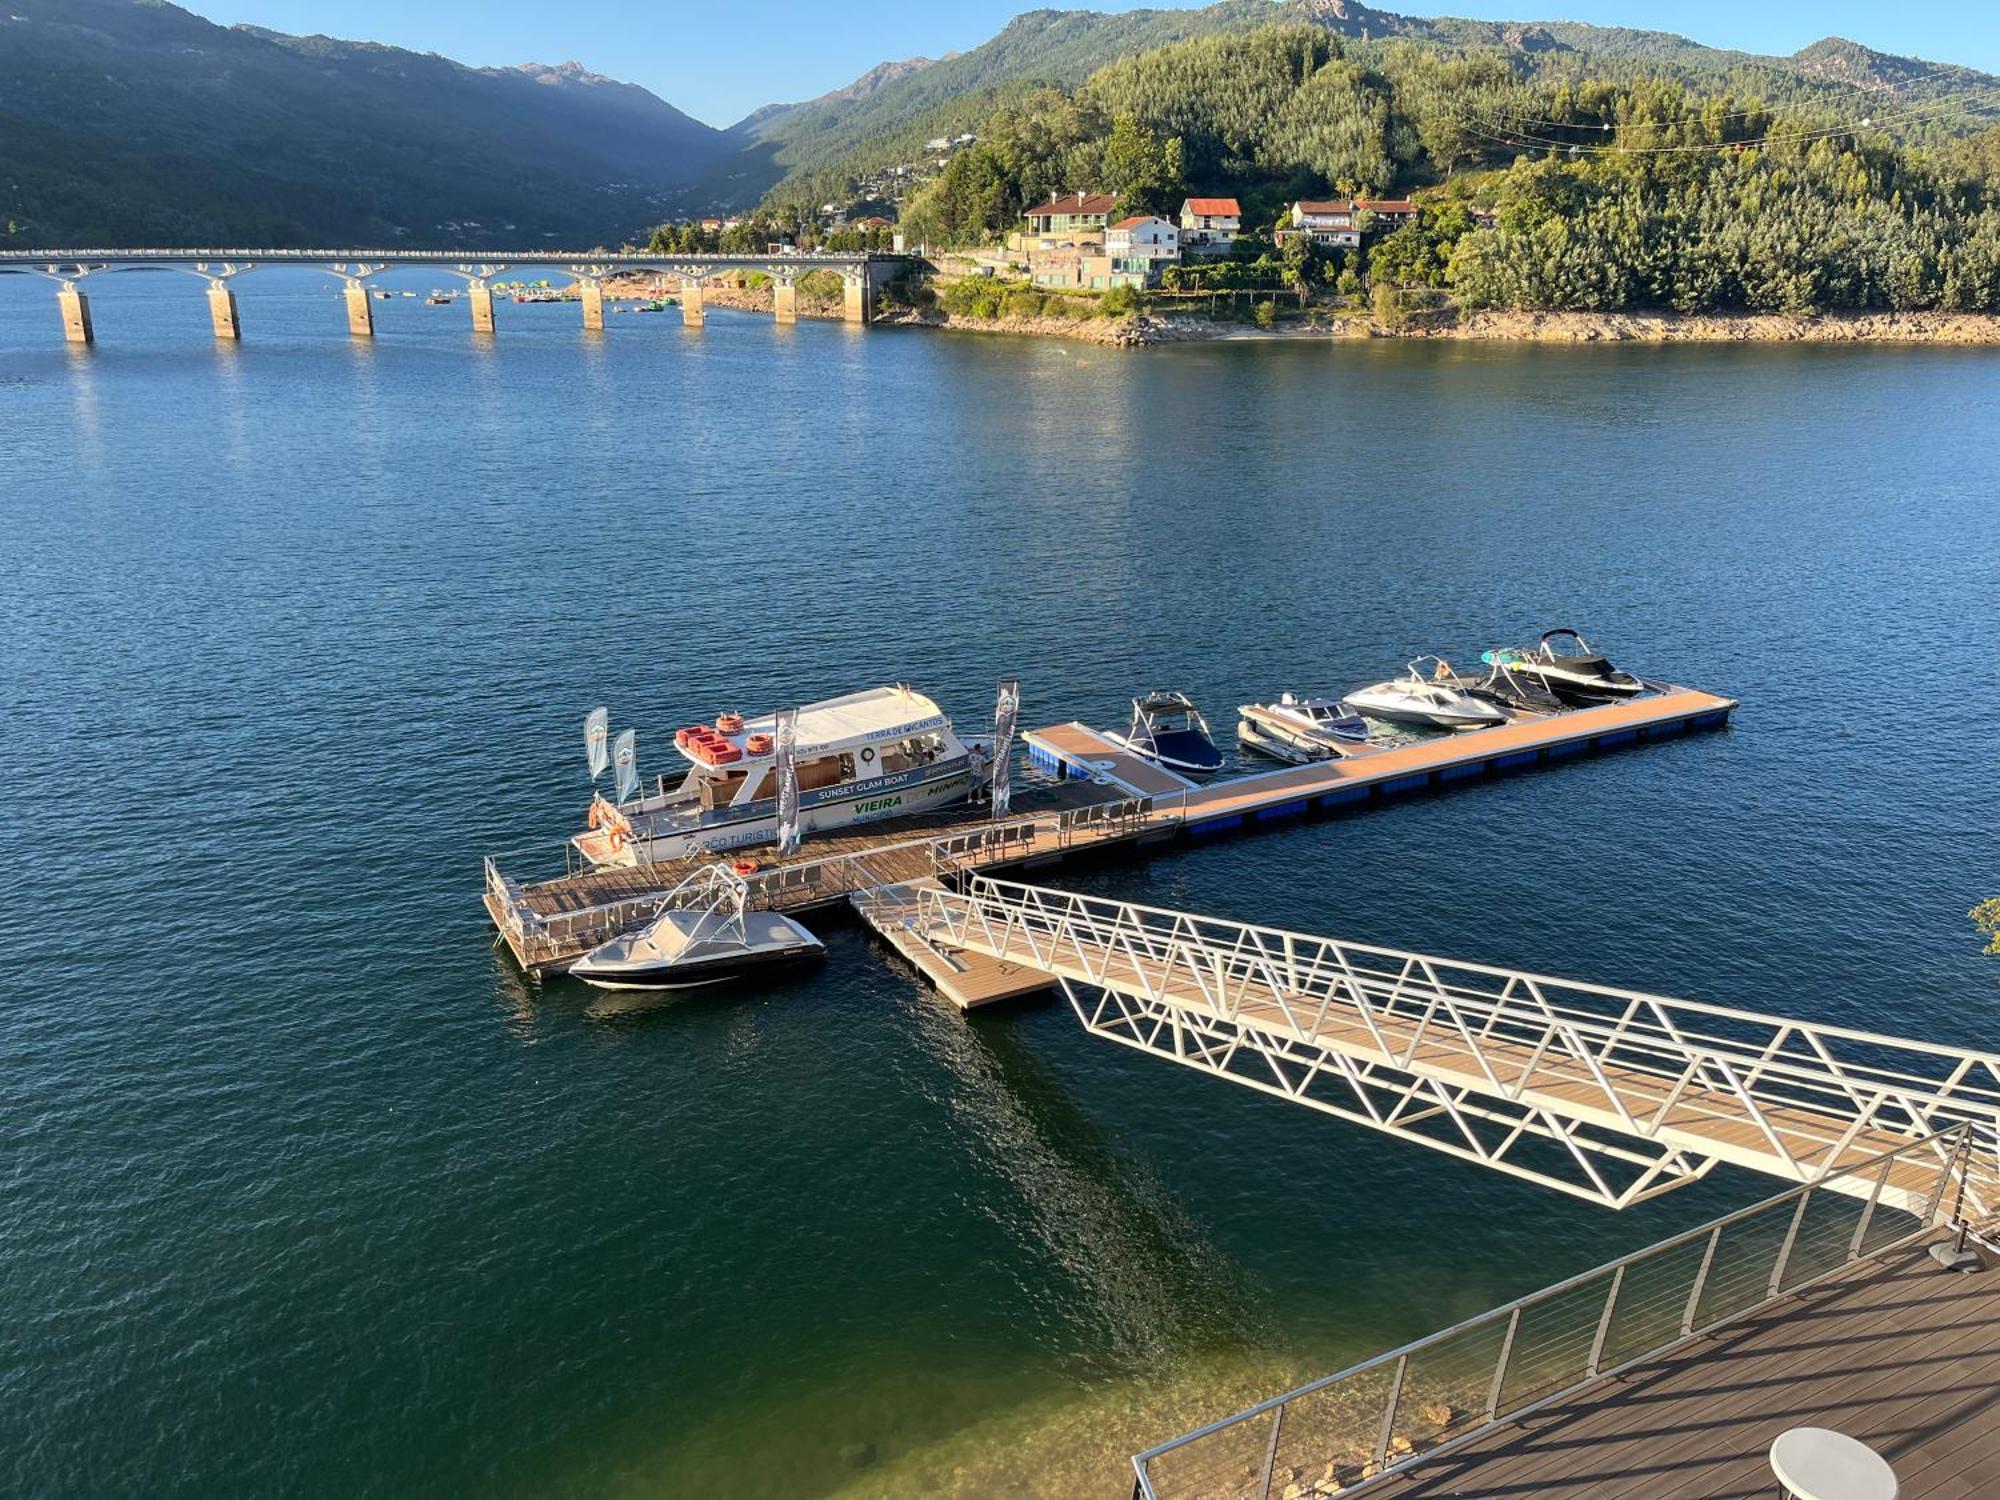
<point>881,753</point>
<point>702,935</point>
<point>1564,663</point>
<point>1168,730</point>
<point>1427,702</point>
<point>1508,685</point>
<point>1299,729</point>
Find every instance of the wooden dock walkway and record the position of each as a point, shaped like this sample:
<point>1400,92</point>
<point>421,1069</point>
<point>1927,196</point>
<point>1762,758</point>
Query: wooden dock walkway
<point>1106,795</point>
<point>1896,1352</point>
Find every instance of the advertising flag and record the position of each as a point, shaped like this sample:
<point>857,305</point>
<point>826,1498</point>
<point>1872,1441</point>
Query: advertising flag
<point>790,833</point>
<point>625,763</point>
<point>596,729</point>
<point>1006,708</point>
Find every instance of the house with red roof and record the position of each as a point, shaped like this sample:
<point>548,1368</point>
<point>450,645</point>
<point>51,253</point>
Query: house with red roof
<point>1209,226</point>
<point>1073,214</point>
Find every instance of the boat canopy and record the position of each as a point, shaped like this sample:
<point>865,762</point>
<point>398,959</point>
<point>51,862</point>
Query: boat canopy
<point>837,724</point>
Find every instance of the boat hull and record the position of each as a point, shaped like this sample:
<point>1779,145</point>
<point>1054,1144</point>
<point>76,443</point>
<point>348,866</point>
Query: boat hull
<point>698,975</point>
<point>1254,737</point>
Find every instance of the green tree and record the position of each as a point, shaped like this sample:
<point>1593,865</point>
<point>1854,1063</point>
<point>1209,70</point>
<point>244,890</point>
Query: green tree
<point>1986,917</point>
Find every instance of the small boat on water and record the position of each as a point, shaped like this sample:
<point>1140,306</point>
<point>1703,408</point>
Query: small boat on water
<point>1564,663</point>
<point>1426,702</point>
<point>1299,729</point>
<point>1507,685</point>
<point>439,299</point>
<point>1168,730</point>
<point>383,294</point>
<point>703,935</point>
<point>881,753</point>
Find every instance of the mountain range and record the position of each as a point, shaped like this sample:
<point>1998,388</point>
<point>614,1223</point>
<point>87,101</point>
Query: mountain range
<point>137,122</point>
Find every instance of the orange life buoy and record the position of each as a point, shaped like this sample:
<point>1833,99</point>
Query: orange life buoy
<point>744,866</point>
<point>617,839</point>
<point>729,723</point>
<point>758,744</point>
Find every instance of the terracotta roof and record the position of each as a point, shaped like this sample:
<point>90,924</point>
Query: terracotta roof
<point>1074,203</point>
<point>1326,206</point>
<point>1212,207</point>
<point>1386,205</point>
<point>1137,219</point>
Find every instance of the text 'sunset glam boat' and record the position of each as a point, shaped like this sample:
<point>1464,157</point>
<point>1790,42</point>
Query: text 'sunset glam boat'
<point>881,753</point>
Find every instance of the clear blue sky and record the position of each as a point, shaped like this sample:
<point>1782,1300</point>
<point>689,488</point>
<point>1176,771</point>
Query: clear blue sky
<point>719,59</point>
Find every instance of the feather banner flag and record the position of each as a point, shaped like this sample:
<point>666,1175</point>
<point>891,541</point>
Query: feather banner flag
<point>625,760</point>
<point>1006,709</point>
<point>790,833</point>
<point>596,731</point>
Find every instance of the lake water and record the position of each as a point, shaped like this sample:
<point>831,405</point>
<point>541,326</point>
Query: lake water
<point>307,1190</point>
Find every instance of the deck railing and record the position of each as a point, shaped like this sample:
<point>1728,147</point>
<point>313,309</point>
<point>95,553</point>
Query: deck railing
<point>1343,1433</point>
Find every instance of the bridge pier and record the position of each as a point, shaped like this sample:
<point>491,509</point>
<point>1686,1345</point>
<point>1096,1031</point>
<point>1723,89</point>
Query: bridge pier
<point>480,295</point>
<point>75,307</point>
<point>222,312</point>
<point>692,315</point>
<point>857,303</point>
<point>591,293</point>
<point>785,299</point>
<point>360,311</point>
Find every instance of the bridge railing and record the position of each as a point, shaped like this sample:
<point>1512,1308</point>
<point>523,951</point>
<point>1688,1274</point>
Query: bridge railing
<point>1649,1062</point>
<point>1348,1431</point>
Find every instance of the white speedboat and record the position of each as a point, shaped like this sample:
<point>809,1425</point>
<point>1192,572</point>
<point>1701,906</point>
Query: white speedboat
<point>702,935</point>
<point>1298,728</point>
<point>1563,662</point>
<point>881,753</point>
<point>1427,702</point>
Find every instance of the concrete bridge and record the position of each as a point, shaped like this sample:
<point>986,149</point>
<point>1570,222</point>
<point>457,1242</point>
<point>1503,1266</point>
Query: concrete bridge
<point>861,275</point>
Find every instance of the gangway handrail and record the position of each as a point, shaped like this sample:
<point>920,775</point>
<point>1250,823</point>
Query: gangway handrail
<point>1398,1440</point>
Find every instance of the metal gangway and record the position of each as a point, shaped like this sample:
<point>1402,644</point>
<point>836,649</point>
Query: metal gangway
<point>1610,1095</point>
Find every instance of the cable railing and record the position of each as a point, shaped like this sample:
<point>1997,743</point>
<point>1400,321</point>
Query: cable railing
<point>1347,1431</point>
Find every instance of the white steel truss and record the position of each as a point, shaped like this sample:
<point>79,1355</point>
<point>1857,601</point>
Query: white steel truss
<point>1611,1095</point>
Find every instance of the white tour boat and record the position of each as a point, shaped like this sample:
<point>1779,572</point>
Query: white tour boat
<point>881,753</point>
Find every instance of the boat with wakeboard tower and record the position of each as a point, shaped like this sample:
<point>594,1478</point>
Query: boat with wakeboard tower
<point>704,933</point>
<point>883,752</point>
<point>1427,702</point>
<point>1168,730</point>
<point>1299,728</point>
<point>1564,663</point>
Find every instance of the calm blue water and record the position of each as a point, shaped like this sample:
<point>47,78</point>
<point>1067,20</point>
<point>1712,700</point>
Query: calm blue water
<point>308,1191</point>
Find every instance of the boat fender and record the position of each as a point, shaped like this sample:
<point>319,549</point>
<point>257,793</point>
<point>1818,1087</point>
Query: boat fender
<point>596,816</point>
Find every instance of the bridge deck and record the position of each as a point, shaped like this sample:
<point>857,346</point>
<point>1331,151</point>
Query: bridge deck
<point>1897,1353</point>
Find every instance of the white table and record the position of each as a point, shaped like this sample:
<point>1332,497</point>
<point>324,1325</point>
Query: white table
<point>1817,1463</point>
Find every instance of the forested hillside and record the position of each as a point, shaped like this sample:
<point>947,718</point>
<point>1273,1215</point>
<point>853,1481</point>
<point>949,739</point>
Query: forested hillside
<point>138,122</point>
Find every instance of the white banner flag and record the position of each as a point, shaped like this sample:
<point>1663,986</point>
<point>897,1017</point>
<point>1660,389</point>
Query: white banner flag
<point>625,761</point>
<point>1006,709</point>
<point>596,731</point>
<point>790,832</point>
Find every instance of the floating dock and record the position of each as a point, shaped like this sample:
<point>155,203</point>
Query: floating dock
<point>1104,796</point>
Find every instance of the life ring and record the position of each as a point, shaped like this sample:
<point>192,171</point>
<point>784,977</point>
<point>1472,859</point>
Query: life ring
<point>867,754</point>
<point>758,744</point>
<point>745,866</point>
<point>729,723</point>
<point>617,839</point>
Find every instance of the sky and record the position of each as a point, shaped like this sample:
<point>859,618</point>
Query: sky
<point>720,59</point>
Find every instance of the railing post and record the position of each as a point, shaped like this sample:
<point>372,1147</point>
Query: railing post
<point>1389,1412</point>
<point>1868,1213</point>
<point>1785,1250</point>
<point>1604,1321</point>
<point>1500,1366</point>
<point>1271,1449</point>
<point>1700,1281</point>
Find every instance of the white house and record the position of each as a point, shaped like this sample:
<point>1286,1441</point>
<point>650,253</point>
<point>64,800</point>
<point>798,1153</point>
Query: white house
<point>1209,226</point>
<point>1143,237</point>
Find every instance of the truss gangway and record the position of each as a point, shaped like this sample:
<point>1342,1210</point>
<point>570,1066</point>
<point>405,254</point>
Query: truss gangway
<point>1607,1094</point>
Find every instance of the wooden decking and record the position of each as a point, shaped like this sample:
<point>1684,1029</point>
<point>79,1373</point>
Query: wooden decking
<point>1898,1353</point>
<point>1082,749</point>
<point>967,980</point>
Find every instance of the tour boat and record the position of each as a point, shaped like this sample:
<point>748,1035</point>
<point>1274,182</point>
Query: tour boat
<point>881,753</point>
<point>703,935</point>
<point>1575,673</point>
<point>1429,703</point>
<point>1168,730</point>
<point>1299,729</point>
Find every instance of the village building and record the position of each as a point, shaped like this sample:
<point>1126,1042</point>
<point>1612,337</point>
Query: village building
<point>1341,223</point>
<point>1139,248</point>
<point>1074,217</point>
<point>1209,227</point>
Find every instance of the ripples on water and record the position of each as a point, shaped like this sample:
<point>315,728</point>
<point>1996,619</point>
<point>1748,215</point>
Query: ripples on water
<point>307,1189</point>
